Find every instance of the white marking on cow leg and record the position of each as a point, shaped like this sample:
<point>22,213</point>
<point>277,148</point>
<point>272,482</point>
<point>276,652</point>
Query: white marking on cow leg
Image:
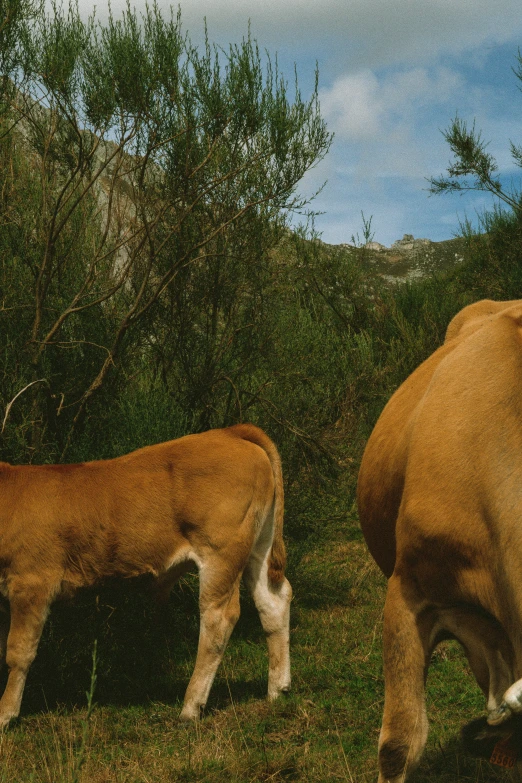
<point>499,677</point>
<point>273,605</point>
<point>274,611</point>
<point>218,618</point>
<point>499,673</point>
<point>29,610</point>
<point>511,705</point>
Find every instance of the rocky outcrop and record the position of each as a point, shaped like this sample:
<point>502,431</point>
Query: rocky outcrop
<point>409,258</point>
<point>375,246</point>
<point>408,242</point>
<point>404,245</point>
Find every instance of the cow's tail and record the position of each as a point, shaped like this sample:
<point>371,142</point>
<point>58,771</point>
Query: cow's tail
<point>277,557</point>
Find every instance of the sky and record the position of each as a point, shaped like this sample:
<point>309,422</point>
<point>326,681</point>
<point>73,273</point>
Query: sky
<point>392,76</point>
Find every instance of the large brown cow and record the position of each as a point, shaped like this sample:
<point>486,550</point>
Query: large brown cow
<point>213,499</point>
<point>440,503</point>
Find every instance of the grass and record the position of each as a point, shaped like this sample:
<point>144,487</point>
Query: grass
<point>327,730</point>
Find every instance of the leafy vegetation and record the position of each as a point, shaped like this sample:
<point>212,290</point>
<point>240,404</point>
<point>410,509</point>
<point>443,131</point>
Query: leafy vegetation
<point>150,287</point>
<point>143,185</point>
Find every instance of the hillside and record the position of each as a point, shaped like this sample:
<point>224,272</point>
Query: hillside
<point>409,258</point>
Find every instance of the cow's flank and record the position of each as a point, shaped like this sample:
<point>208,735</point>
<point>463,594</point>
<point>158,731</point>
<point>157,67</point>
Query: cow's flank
<point>440,504</point>
<point>214,499</point>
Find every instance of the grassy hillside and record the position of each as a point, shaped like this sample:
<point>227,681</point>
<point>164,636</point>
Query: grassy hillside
<point>406,261</point>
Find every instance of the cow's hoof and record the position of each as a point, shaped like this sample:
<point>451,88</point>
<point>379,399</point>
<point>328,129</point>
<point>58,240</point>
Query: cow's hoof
<point>6,721</point>
<point>502,713</point>
<point>276,693</point>
<point>190,714</point>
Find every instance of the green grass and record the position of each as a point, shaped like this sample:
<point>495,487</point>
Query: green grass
<point>326,730</point>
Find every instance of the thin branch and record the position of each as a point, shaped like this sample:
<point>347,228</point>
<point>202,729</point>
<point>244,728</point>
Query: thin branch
<point>10,404</point>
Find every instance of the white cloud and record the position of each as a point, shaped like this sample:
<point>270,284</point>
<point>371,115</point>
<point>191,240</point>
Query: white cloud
<point>387,126</point>
<point>383,24</point>
<point>361,106</point>
<point>353,107</point>
<point>356,33</point>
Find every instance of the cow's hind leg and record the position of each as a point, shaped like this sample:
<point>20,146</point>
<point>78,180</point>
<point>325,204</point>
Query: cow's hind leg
<point>273,604</point>
<point>29,605</point>
<point>219,612</point>
<point>487,649</point>
<point>408,642</point>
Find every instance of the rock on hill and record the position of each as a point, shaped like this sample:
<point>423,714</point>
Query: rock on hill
<point>409,258</point>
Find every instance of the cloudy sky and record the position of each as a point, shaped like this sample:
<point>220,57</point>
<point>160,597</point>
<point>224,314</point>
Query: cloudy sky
<point>393,74</point>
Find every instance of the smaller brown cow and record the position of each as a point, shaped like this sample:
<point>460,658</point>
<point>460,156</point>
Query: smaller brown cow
<point>440,504</point>
<point>214,499</point>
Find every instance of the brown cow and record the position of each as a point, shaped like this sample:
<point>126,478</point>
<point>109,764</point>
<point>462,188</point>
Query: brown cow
<point>213,499</point>
<point>440,503</point>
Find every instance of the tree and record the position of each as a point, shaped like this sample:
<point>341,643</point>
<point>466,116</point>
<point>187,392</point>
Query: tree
<point>131,162</point>
<point>473,167</point>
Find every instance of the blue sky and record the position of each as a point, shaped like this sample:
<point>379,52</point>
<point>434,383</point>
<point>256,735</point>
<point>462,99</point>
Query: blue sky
<point>393,74</point>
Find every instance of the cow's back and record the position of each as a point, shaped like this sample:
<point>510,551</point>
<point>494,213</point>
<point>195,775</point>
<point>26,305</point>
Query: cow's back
<point>133,514</point>
<point>474,316</point>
